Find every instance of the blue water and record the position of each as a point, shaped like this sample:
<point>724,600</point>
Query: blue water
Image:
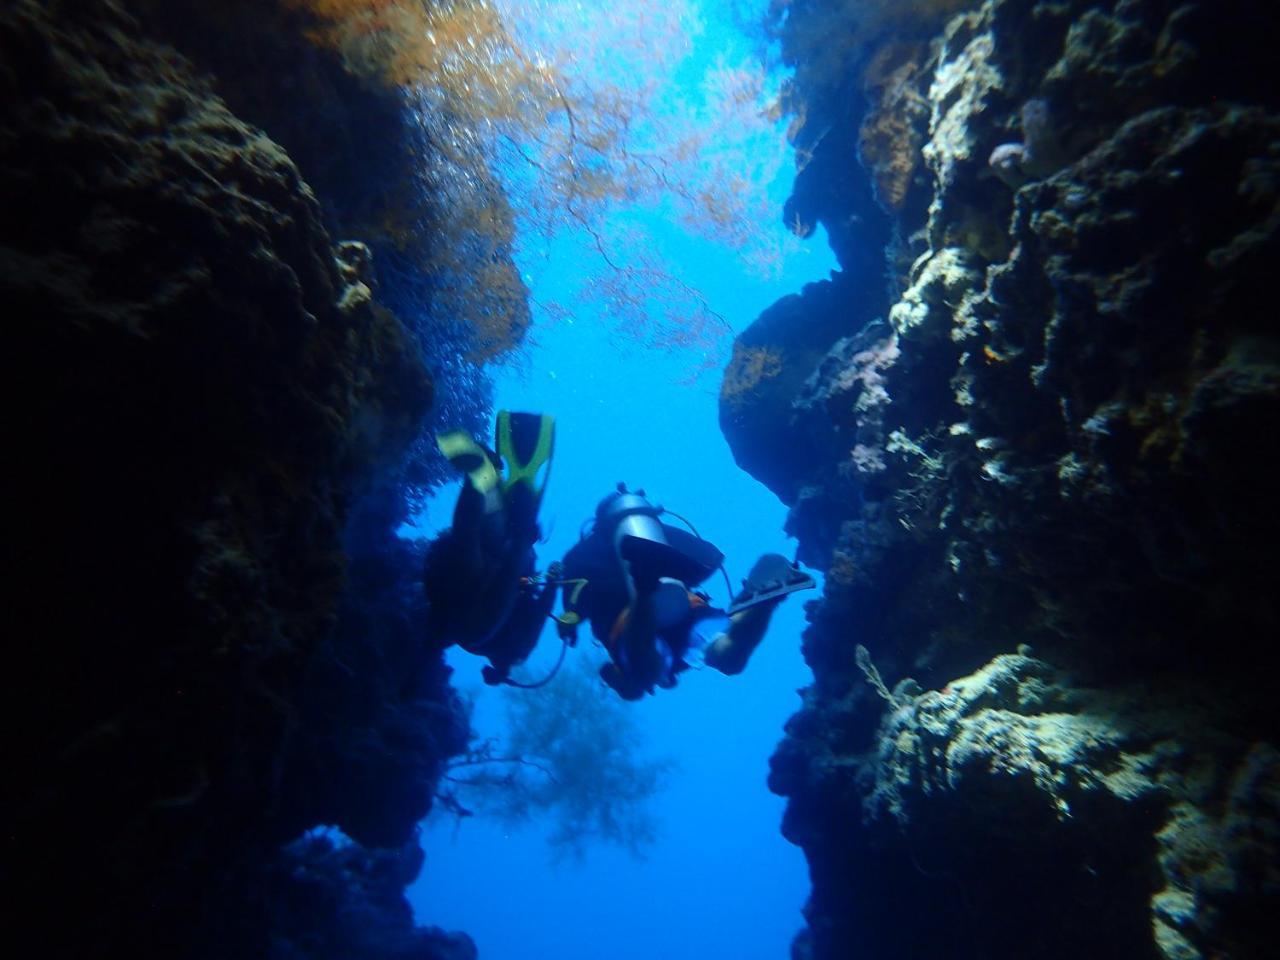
<point>720,880</point>
<point>721,877</point>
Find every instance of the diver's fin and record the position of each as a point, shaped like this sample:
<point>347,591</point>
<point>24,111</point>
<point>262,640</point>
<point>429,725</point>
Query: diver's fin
<point>525,442</point>
<point>471,458</point>
<point>772,578</point>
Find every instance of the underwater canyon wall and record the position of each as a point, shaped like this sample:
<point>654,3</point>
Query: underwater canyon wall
<point>221,642</point>
<point>1024,432</point>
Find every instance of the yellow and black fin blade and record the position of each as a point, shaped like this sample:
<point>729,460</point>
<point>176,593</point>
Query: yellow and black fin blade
<point>526,442</point>
<point>470,458</point>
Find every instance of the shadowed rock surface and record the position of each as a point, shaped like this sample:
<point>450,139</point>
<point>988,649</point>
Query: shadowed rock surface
<point>223,642</point>
<point>372,162</point>
<point>1031,465</point>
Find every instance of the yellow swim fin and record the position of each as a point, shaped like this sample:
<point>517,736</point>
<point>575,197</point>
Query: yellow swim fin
<point>526,442</point>
<point>470,458</point>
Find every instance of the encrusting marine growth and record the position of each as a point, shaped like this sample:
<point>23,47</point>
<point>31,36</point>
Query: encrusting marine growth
<point>1021,432</point>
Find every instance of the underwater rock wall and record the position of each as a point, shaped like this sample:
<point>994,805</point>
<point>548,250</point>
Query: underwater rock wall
<point>1030,464</point>
<point>370,157</point>
<point>213,659</point>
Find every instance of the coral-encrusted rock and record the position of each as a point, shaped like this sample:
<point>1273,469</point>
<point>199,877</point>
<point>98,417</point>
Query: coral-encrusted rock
<point>205,388</point>
<point>377,717</point>
<point>1104,823</point>
<point>1117,363</point>
<point>371,158</point>
<point>330,899</point>
<point>767,376</point>
<point>895,126</point>
<point>1054,437</point>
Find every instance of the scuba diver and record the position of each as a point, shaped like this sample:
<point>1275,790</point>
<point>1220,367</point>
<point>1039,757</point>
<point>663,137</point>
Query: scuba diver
<point>480,575</point>
<point>632,578</point>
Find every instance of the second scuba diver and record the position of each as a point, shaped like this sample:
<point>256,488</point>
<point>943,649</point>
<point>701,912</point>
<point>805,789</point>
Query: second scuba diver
<point>632,578</point>
<point>480,574</point>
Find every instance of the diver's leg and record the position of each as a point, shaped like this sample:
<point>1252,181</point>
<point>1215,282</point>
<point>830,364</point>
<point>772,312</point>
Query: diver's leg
<point>620,683</point>
<point>656,613</point>
<point>639,646</point>
<point>730,651</point>
<point>516,636</point>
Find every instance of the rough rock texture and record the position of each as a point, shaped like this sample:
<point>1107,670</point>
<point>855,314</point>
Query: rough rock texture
<point>334,900</point>
<point>204,385</point>
<point>372,163</point>
<point>1048,428</point>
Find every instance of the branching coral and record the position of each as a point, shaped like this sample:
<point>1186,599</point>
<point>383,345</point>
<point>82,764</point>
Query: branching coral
<point>501,92</point>
<point>448,61</point>
<point>862,657</point>
<point>575,755</point>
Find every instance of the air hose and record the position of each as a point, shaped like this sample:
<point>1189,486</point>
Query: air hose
<point>728,584</point>
<point>579,583</point>
<point>564,648</point>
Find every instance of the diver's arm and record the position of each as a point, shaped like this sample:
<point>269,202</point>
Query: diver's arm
<point>567,625</point>
<point>545,599</point>
<point>570,617</point>
<point>579,600</point>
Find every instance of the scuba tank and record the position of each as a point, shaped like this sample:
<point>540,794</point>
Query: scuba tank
<point>651,549</point>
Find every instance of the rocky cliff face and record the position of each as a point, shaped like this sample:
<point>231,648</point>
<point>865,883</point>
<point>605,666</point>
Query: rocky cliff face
<point>374,166</point>
<point>1031,469</point>
<point>221,646</point>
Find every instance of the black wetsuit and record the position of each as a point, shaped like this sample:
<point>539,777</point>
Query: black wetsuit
<point>606,593</point>
<point>474,576</point>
